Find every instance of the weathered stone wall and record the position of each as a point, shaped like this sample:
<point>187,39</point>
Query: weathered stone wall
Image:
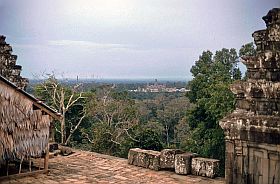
<point>252,131</point>
<point>8,67</point>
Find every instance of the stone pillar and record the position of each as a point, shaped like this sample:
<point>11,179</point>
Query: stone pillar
<point>252,131</point>
<point>229,162</point>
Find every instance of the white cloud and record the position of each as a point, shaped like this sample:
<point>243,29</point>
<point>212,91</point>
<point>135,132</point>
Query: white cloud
<point>86,44</point>
<point>26,46</point>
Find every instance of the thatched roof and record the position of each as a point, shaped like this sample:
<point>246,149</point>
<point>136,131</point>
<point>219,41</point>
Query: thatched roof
<point>36,101</point>
<point>24,123</point>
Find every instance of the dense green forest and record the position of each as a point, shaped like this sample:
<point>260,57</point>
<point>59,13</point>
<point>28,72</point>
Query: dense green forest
<point>109,119</point>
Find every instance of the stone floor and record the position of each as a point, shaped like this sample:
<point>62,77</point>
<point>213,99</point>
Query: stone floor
<point>87,167</point>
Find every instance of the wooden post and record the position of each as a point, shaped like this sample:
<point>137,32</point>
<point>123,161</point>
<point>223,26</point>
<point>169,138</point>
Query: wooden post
<point>46,159</point>
<point>20,165</point>
<point>7,167</point>
<point>30,165</point>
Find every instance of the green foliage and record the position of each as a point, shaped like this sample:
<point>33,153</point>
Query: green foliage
<point>101,137</point>
<point>113,116</point>
<point>148,139</point>
<point>182,133</point>
<point>247,50</point>
<point>146,136</point>
<point>213,100</point>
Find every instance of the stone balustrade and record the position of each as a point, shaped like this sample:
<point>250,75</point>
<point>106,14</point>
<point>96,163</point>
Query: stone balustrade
<point>181,162</point>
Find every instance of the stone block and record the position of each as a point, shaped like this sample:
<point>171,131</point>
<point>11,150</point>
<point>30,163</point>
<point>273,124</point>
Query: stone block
<point>56,152</point>
<point>132,154</point>
<point>205,167</point>
<point>167,158</point>
<point>144,158</point>
<point>183,163</point>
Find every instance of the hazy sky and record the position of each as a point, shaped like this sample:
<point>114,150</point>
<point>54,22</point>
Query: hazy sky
<point>125,38</point>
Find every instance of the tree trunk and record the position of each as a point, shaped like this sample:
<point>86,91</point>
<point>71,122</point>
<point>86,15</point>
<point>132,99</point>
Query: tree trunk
<point>73,130</point>
<point>62,130</point>
<point>167,135</point>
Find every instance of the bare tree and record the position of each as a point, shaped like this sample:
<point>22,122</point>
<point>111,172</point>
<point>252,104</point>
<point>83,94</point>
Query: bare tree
<point>118,113</point>
<point>62,98</point>
<point>171,114</point>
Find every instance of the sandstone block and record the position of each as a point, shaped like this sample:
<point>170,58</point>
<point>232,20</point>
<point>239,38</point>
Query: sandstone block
<point>205,167</point>
<point>167,158</point>
<point>144,158</point>
<point>183,163</point>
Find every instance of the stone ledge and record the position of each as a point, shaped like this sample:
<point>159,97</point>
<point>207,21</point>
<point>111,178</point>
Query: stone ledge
<point>184,163</point>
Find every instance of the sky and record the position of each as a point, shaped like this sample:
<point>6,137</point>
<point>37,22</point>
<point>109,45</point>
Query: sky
<point>125,39</point>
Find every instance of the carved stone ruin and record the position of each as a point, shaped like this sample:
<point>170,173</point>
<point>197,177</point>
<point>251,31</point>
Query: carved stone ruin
<point>8,67</point>
<point>252,131</point>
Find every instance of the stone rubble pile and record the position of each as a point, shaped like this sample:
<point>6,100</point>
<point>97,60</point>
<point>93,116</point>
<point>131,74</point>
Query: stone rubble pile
<point>56,149</point>
<point>181,162</point>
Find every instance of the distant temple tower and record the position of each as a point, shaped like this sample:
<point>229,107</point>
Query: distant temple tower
<point>8,67</point>
<point>252,131</point>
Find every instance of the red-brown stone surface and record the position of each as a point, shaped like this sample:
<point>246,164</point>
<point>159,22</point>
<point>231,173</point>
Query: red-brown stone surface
<point>88,167</point>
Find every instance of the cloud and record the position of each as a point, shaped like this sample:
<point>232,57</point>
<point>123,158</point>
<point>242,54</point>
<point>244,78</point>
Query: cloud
<point>26,46</point>
<point>86,44</point>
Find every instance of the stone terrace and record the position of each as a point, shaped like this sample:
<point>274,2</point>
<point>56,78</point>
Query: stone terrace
<point>89,167</point>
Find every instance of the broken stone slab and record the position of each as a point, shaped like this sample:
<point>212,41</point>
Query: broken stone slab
<point>167,158</point>
<point>183,163</point>
<point>144,158</point>
<point>56,152</point>
<point>205,167</point>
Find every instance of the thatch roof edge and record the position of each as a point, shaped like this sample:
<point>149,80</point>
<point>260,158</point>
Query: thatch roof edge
<point>36,101</point>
